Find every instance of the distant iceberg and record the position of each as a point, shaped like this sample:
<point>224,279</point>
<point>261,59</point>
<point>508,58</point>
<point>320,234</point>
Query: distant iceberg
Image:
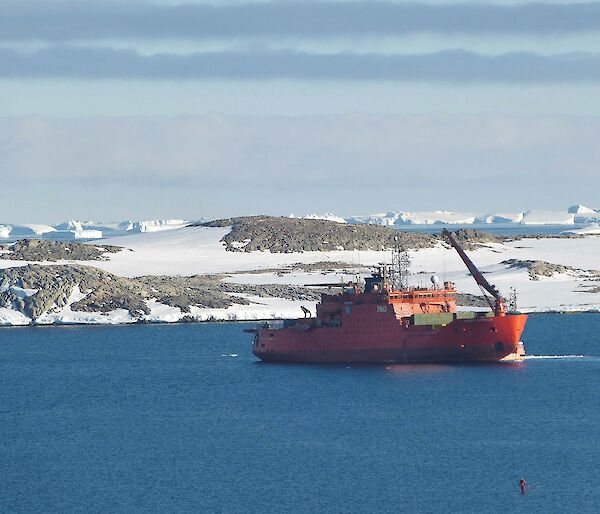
<point>25,230</point>
<point>548,218</point>
<point>132,227</point>
<point>158,225</point>
<point>416,218</point>
<point>501,218</point>
<point>577,214</point>
<point>584,215</point>
<point>581,209</point>
<point>76,229</point>
<point>328,216</point>
<point>30,230</point>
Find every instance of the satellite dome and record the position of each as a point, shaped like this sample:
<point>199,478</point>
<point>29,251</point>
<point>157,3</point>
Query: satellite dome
<point>435,279</point>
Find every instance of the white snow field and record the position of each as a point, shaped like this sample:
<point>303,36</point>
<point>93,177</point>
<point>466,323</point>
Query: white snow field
<point>199,250</point>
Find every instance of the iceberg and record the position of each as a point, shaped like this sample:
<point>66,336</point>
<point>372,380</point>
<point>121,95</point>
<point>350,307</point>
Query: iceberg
<point>328,216</point>
<point>581,209</point>
<point>159,225</point>
<point>134,227</point>
<point>548,218</point>
<point>77,229</point>
<point>30,230</point>
<point>394,218</point>
<point>500,218</point>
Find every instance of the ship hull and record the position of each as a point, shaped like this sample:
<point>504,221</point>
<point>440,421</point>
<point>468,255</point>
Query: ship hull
<point>485,339</point>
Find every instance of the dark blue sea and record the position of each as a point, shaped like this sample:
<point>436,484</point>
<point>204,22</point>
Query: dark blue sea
<point>165,419</point>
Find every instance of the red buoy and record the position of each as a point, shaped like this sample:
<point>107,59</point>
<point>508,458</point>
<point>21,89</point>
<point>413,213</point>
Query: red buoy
<point>523,485</point>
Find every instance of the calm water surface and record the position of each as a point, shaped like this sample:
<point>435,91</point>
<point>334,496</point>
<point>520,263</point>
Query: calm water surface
<point>162,419</point>
<point>504,229</point>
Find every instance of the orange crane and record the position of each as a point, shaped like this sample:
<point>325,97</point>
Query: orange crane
<point>500,304</point>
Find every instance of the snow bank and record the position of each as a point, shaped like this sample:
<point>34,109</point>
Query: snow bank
<point>13,318</point>
<point>264,308</point>
<point>68,317</point>
<point>159,312</point>
<point>591,229</point>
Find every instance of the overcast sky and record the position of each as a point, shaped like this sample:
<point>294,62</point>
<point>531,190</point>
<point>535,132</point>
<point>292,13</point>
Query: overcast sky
<point>139,109</point>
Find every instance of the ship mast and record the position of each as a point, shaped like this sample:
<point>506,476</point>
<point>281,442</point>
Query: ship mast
<point>400,269</point>
<point>499,307</point>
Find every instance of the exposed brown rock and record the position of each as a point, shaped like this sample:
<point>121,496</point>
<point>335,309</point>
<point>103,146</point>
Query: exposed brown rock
<point>38,250</point>
<point>106,292</point>
<point>285,235</point>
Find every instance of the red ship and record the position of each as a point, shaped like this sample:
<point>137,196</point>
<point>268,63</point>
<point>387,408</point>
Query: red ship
<point>384,323</point>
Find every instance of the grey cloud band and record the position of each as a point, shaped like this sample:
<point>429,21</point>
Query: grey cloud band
<point>447,66</point>
<point>68,20</point>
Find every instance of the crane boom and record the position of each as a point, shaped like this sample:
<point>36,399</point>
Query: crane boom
<point>477,275</point>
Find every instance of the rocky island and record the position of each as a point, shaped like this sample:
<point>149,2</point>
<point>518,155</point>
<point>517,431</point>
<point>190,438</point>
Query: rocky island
<point>252,267</point>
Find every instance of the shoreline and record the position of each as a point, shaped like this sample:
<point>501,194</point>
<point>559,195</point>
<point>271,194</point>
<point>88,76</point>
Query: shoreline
<point>222,321</point>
